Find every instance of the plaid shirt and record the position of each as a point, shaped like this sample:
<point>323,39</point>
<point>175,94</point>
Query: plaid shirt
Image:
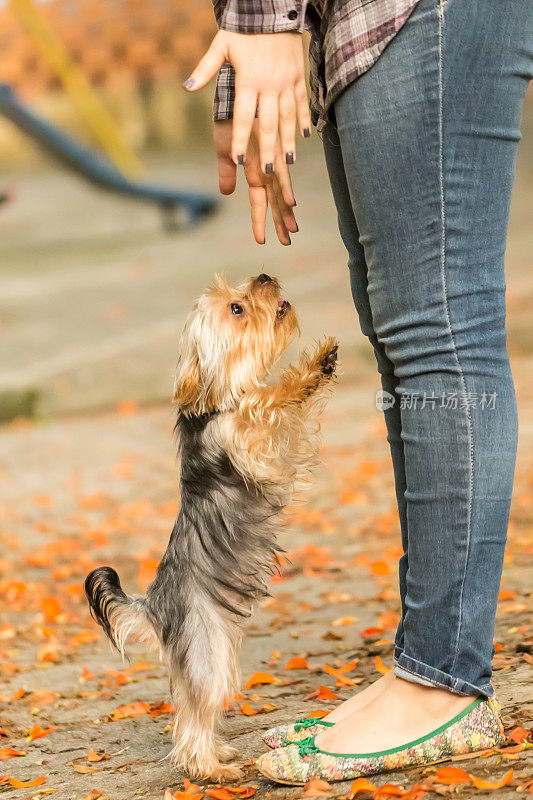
<point>347,38</point>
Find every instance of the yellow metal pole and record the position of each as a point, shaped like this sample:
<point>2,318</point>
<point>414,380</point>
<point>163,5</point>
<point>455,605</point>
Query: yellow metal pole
<point>77,86</point>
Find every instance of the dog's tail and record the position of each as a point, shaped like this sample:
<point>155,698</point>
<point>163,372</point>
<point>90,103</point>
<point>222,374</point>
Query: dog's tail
<point>122,616</point>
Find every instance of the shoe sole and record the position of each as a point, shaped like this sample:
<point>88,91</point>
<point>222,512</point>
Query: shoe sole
<point>413,766</point>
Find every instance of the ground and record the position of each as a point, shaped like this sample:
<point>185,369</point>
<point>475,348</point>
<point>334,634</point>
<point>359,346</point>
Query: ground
<point>92,297</point>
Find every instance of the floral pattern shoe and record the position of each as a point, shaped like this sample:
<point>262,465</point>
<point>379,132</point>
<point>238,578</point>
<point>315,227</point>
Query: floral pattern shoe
<point>290,734</point>
<point>478,727</point>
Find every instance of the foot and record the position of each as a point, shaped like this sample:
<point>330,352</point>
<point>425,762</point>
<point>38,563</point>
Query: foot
<point>360,699</point>
<point>398,713</point>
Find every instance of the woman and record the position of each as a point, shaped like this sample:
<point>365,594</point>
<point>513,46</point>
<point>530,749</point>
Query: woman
<point>419,104</point>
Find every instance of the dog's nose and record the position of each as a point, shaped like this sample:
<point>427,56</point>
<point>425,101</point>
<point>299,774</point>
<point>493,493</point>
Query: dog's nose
<point>263,278</point>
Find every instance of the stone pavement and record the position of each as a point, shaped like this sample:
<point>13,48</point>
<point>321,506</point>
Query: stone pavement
<point>92,298</point>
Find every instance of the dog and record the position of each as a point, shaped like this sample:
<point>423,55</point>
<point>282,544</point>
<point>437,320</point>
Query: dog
<point>245,445</point>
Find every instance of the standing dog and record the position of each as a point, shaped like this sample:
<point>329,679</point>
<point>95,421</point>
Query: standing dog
<point>244,446</point>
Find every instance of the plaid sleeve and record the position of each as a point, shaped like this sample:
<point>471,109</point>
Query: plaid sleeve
<point>263,16</point>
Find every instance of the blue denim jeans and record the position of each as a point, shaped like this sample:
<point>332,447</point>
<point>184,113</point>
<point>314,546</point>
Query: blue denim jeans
<point>421,161</point>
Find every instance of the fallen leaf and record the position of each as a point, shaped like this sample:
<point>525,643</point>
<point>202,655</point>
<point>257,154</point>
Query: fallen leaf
<point>83,770</point>
<point>16,784</point>
<point>380,666</point>
<point>360,785</point>
<point>452,775</point>
<point>297,662</point>
<point>93,756</point>
<point>36,732</point>
<point>10,752</point>
<point>136,709</point>
<point>260,679</point>
<point>322,693</point>
<point>42,698</point>
<point>479,783</point>
<point>343,621</point>
<point>520,735</point>
<point>247,709</point>
<point>388,790</point>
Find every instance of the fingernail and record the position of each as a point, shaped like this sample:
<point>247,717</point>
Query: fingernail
<point>269,168</point>
<point>289,157</point>
<point>240,159</point>
<point>307,133</point>
<point>189,83</point>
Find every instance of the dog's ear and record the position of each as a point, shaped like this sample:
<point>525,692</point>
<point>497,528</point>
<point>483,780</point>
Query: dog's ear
<point>187,389</point>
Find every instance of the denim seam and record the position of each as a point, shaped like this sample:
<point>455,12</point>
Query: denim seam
<point>440,12</point>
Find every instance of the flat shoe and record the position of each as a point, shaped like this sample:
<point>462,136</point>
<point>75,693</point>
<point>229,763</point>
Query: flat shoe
<point>283,735</point>
<point>478,727</point>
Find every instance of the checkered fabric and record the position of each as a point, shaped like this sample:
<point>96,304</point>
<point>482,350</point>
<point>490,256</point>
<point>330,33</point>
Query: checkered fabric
<point>347,37</point>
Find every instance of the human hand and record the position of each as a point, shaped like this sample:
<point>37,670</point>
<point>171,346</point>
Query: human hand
<point>270,78</point>
<point>273,189</point>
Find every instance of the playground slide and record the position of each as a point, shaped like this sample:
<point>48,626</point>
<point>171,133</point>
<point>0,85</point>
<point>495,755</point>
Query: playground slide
<point>98,169</point>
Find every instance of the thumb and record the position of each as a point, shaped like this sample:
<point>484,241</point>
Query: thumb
<point>208,66</point>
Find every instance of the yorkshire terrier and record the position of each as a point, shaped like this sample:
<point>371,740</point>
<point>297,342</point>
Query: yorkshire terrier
<point>244,445</point>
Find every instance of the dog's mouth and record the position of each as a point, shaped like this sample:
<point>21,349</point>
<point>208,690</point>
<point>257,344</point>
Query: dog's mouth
<point>283,308</point>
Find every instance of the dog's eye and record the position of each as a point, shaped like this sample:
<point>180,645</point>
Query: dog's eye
<point>237,309</point>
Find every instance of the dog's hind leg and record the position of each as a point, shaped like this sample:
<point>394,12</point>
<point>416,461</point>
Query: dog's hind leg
<point>207,675</point>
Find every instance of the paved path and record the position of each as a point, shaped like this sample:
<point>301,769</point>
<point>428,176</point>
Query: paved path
<point>92,297</point>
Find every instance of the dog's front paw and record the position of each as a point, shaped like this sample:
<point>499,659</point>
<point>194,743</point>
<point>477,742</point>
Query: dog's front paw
<point>326,356</point>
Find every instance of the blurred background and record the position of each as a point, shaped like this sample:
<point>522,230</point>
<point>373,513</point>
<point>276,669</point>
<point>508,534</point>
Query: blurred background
<point>99,261</point>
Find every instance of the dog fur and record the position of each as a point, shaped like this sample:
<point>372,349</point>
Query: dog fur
<point>244,447</point>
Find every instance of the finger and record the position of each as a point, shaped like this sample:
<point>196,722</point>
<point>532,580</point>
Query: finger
<point>302,109</point>
<point>243,119</point>
<point>281,230</point>
<point>258,207</point>
<point>284,178</point>
<point>287,125</point>
<point>227,175</point>
<point>208,67</point>
<point>287,214</point>
<point>268,130</point>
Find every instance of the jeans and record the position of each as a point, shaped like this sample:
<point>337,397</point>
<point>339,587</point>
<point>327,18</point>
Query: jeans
<point>421,159</point>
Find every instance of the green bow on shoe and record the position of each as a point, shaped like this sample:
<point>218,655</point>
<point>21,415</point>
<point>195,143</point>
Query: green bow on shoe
<point>294,732</point>
<point>478,727</point>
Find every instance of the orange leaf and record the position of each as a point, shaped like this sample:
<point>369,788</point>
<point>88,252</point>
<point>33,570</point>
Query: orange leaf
<point>10,752</point>
<point>52,608</point>
<point>86,675</point>
<point>322,693</point>
<point>453,775</point>
<point>242,791</point>
<point>519,735</point>
<point>42,698</point>
<point>83,637</point>
<point>360,785</point>
<point>247,709</point>
<point>15,696</point>
<point>84,770</point>
<point>388,790</point>
<point>36,732</point>
<point>320,713</point>
<point>93,756</point>
<point>220,793</point>
<point>373,631</point>
<point>297,662</point>
<point>380,568</point>
<point>479,783</point>
<point>136,709</point>
<point>315,787</point>
<point>343,621</point>
<point>26,784</point>
<point>380,666</point>
<point>48,651</point>
<point>260,678</point>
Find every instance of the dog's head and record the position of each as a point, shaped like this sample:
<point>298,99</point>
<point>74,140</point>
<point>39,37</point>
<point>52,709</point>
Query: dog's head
<point>231,339</point>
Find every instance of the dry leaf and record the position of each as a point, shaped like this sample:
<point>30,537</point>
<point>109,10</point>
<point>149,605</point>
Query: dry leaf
<point>315,787</point>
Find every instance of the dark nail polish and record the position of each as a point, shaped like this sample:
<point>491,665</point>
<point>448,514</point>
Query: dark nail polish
<point>189,83</point>
<point>269,169</point>
<point>307,133</point>
<point>240,159</point>
<point>289,157</point>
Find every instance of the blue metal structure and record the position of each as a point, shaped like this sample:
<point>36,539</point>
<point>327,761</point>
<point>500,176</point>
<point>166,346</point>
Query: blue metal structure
<point>98,169</point>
